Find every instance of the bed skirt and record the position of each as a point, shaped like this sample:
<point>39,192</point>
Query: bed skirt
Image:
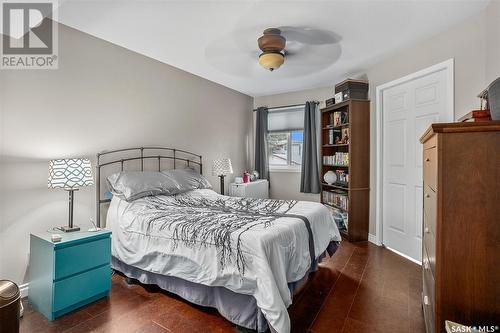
<point>239,309</point>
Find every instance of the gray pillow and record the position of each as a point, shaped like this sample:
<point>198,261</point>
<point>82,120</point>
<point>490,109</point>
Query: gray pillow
<point>187,179</point>
<point>132,185</point>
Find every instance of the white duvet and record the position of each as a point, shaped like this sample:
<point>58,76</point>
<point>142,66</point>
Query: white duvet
<point>206,238</point>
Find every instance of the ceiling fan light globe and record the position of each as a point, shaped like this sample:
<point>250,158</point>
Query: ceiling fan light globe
<point>271,60</point>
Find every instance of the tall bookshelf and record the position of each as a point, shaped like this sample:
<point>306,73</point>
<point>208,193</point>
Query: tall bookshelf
<point>350,199</point>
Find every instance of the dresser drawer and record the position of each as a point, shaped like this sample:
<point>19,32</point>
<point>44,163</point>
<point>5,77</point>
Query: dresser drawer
<point>428,308</point>
<point>428,293</point>
<point>426,262</point>
<point>430,167</point>
<point>428,301</point>
<point>81,287</point>
<point>81,257</point>
<point>430,247</point>
<point>430,208</point>
<point>428,277</point>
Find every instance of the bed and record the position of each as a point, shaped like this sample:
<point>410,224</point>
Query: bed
<point>243,256</point>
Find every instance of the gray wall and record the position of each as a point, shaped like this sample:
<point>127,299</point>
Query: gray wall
<point>465,42</point>
<point>493,41</point>
<point>101,97</point>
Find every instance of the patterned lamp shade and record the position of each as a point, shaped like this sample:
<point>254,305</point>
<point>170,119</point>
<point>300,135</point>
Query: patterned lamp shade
<point>70,173</point>
<point>222,166</point>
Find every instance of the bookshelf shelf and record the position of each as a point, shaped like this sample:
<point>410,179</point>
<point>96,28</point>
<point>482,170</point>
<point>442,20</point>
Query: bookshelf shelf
<point>336,145</point>
<point>356,125</point>
<point>334,206</point>
<point>340,187</point>
<point>337,126</point>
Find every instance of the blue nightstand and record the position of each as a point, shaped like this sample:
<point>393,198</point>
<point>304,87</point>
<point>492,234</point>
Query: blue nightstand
<point>68,274</point>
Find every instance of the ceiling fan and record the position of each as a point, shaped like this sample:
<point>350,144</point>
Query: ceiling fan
<point>305,50</point>
<point>272,44</point>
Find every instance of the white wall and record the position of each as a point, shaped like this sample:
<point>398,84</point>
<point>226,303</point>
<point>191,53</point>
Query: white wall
<point>465,42</point>
<point>101,97</point>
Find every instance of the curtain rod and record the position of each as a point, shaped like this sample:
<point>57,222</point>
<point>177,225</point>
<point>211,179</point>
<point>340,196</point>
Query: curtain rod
<point>286,106</point>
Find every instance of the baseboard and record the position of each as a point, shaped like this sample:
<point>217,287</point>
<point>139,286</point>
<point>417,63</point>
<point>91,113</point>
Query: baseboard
<point>23,289</point>
<point>405,256</point>
<point>373,239</point>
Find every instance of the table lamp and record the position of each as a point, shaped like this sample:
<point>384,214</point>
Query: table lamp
<point>70,174</point>
<point>221,168</point>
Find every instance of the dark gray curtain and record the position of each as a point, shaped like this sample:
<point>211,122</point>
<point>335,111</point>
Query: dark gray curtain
<point>261,162</point>
<point>309,178</point>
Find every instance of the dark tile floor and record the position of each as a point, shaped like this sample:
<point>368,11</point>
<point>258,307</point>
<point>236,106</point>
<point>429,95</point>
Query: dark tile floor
<point>362,288</point>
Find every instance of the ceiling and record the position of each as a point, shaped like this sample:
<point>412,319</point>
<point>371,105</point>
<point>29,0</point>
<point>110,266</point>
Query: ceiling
<point>217,40</point>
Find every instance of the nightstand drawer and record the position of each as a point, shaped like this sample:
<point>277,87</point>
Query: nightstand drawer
<point>79,288</point>
<point>255,189</point>
<point>81,257</point>
<point>68,274</point>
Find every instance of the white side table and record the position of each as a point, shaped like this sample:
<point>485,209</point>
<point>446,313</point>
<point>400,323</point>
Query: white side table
<point>256,189</point>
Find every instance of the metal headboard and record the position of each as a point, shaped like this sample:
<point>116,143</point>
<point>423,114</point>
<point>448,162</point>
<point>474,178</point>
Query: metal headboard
<point>142,154</point>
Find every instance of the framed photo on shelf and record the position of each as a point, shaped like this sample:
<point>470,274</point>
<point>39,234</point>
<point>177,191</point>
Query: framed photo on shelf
<point>338,97</point>
<point>345,135</point>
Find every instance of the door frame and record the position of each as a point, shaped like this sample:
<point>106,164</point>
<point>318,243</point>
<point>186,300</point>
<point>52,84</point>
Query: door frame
<point>447,66</point>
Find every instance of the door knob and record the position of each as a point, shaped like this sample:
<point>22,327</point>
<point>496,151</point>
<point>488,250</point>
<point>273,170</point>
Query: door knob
<point>426,230</point>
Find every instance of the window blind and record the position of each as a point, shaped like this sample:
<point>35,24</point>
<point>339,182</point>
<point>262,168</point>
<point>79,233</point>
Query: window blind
<point>285,119</point>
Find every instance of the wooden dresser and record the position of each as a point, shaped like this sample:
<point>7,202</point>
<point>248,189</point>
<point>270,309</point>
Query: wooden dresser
<point>461,229</point>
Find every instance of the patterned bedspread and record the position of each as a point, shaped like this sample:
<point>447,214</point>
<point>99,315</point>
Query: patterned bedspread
<point>250,246</point>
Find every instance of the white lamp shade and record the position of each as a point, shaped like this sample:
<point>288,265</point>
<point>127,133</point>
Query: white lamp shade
<point>222,166</point>
<point>70,173</point>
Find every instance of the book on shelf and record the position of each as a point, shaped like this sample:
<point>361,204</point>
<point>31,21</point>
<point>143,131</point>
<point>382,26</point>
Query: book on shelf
<point>339,118</point>
<point>340,217</point>
<point>342,177</point>
<point>337,199</point>
<point>337,159</point>
<point>334,135</point>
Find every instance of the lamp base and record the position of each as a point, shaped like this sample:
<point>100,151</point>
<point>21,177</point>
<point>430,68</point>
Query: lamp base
<point>222,184</point>
<point>66,228</point>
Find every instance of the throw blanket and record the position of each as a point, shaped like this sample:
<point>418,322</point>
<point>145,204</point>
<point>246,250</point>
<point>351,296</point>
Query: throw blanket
<point>250,246</point>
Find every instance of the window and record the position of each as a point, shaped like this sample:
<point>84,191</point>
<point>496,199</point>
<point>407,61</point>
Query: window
<point>285,138</point>
<point>285,148</point>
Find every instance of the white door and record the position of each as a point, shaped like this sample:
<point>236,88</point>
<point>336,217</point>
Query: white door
<point>408,109</point>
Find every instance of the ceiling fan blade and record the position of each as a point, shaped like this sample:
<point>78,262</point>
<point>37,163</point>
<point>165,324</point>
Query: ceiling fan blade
<point>310,36</point>
<point>237,63</point>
